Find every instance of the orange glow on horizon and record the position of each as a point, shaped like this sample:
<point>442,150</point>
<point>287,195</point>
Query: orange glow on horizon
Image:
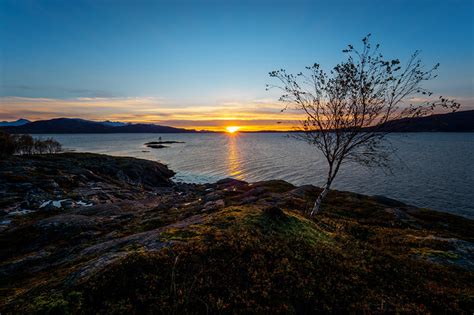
<point>257,115</point>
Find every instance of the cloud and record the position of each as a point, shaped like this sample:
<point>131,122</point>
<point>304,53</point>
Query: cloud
<point>253,115</point>
<point>149,110</point>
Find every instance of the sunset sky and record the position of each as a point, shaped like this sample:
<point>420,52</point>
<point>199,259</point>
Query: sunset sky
<point>202,64</point>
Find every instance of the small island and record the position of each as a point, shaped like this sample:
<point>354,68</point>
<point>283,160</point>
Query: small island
<point>160,144</point>
<point>84,233</point>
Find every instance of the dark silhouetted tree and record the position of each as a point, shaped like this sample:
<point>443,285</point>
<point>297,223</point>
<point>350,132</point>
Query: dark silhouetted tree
<point>351,109</point>
<point>51,146</point>
<point>8,144</point>
<point>26,145</point>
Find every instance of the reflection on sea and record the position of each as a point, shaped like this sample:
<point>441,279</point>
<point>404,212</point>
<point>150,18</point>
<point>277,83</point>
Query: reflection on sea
<point>233,157</point>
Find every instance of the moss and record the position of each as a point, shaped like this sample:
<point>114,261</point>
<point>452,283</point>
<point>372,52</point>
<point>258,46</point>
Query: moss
<point>293,226</point>
<point>178,234</point>
<point>56,303</point>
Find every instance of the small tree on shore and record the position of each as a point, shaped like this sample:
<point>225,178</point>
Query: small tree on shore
<point>26,145</point>
<point>8,144</point>
<point>351,109</point>
<point>52,146</point>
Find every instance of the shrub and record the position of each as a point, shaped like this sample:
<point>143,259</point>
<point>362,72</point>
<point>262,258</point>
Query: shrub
<point>26,145</point>
<point>52,146</point>
<point>7,144</point>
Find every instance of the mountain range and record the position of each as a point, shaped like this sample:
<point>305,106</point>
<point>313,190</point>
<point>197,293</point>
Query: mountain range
<point>18,122</point>
<point>76,125</point>
<point>462,121</point>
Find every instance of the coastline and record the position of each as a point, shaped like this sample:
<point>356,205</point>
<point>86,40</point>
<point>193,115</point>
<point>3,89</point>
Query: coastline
<point>239,246</point>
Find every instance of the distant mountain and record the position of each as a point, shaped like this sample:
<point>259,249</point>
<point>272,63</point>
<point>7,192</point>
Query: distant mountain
<point>76,125</point>
<point>462,121</point>
<point>18,122</point>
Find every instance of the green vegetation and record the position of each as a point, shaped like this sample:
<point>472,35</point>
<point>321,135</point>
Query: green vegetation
<point>251,260</point>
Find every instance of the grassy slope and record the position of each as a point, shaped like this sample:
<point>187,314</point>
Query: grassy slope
<point>257,258</point>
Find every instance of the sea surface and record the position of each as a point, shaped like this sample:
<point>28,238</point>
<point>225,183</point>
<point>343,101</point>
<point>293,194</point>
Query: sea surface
<point>432,170</point>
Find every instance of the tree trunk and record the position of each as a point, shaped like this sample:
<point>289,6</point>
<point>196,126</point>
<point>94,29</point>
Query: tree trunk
<point>321,197</point>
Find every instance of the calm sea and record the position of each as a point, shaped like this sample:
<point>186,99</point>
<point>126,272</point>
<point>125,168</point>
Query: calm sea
<point>433,170</point>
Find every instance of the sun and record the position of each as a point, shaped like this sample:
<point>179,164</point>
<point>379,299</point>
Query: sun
<point>232,129</point>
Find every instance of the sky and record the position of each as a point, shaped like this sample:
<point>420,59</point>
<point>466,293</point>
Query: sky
<point>205,64</point>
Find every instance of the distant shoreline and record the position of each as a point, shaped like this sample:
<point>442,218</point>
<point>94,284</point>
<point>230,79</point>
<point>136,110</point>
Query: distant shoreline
<point>461,121</point>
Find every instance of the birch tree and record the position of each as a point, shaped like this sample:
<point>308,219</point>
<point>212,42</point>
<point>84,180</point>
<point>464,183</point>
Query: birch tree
<point>350,109</point>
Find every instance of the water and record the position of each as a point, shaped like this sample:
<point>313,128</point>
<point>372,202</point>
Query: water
<point>433,170</point>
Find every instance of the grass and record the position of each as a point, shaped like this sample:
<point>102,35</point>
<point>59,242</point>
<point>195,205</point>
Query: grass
<point>246,260</point>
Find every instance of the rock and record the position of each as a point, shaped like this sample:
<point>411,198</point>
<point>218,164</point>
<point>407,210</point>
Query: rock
<point>82,203</point>
<point>20,212</point>
<point>254,192</point>
<point>70,175</point>
<point>388,201</point>
<point>230,182</point>
<point>213,205</point>
<point>248,200</point>
<point>157,146</point>
<point>58,203</point>
<point>304,191</point>
<point>213,196</point>
<point>399,214</point>
<point>162,142</point>
<point>66,224</point>
<point>277,186</point>
<point>129,225</point>
<point>67,204</point>
<point>93,267</point>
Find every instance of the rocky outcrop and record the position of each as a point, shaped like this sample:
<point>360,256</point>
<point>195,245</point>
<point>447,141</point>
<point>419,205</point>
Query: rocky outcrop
<point>119,237</point>
<point>74,180</point>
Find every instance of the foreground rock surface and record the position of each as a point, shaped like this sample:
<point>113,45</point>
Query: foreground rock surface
<point>125,239</point>
<point>70,180</point>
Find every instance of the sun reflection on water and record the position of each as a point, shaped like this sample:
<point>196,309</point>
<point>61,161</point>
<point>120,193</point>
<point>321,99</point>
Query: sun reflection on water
<point>233,157</point>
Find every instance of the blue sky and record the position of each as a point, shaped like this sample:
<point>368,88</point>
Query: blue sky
<point>203,55</point>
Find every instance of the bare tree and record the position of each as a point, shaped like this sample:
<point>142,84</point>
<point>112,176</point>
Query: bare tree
<point>26,145</point>
<point>351,109</point>
<point>52,146</point>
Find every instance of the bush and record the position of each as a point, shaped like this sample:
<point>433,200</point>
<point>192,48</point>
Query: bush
<point>52,146</point>
<point>26,145</point>
<point>7,144</point>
